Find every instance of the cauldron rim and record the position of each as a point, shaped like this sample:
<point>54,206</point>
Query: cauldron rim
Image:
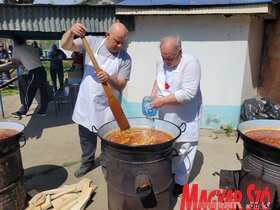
<point>246,138</point>
<point>139,146</point>
<point>18,135</point>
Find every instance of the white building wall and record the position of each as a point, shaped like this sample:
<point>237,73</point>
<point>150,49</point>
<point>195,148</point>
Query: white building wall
<point>221,45</point>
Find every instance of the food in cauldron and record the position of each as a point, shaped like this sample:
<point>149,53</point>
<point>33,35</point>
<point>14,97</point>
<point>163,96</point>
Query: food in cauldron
<point>139,136</point>
<point>7,132</point>
<point>270,137</point>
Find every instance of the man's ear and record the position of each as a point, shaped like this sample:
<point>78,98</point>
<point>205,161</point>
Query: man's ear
<point>107,34</point>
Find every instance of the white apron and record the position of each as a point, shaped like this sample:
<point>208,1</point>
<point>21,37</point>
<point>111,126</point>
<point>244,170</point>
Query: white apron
<point>178,114</point>
<point>186,144</point>
<point>91,107</point>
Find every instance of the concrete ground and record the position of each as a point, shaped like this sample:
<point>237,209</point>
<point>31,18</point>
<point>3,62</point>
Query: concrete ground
<point>52,154</point>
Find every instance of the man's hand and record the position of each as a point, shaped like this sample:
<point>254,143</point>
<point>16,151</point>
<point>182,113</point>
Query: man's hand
<point>78,29</point>
<point>158,102</point>
<point>115,82</point>
<point>67,42</point>
<point>161,101</point>
<point>103,76</point>
<point>16,62</point>
<point>3,61</point>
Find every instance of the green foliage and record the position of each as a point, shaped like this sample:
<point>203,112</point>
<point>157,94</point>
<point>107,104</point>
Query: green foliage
<point>9,91</point>
<point>229,130</point>
<point>45,44</point>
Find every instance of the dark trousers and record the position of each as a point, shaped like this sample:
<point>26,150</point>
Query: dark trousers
<point>88,141</point>
<point>54,70</point>
<point>22,86</point>
<point>37,79</point>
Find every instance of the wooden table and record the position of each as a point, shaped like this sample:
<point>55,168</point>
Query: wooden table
<point>5,67</point>
<point>48,59</point>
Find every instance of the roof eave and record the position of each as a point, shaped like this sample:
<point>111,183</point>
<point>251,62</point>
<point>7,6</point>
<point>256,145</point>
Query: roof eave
<point>263,10</point>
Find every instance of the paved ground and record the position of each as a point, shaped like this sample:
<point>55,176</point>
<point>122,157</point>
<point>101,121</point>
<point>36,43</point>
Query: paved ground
<point>52,154</point>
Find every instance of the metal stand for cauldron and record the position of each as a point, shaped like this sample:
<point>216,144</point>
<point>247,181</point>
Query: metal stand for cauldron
<point>260,167</point>
<point>125,176</point>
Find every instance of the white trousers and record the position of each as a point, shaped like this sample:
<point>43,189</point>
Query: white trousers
<point>182,164</point>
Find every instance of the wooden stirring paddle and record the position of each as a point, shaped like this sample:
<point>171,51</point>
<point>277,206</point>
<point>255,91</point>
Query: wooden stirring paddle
<point>112,100</point>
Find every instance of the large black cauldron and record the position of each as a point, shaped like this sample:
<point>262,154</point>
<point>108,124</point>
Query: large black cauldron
<point>265,151</point>
<point>12,189</point>
<point>260,163</point>
<point>138,177</point>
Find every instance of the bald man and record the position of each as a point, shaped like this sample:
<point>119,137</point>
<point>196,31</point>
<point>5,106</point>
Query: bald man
<point>91,108</point>
<point>177,93</point>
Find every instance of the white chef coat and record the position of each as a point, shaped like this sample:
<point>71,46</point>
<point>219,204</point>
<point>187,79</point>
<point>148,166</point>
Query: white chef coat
<point>184,81</point>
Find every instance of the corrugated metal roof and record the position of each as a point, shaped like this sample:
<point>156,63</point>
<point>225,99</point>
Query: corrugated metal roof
<point>51,21</point>
<point>187,2</point>
<point>264,10</point>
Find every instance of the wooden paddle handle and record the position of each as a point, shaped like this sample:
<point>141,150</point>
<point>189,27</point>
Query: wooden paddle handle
<point>96,66</point>
<point>91,55</point>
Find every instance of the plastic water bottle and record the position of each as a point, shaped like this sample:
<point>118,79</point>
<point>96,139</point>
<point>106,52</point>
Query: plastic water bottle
<point>147,110</point>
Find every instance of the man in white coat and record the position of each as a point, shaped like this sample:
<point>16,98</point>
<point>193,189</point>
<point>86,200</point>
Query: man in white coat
<point>91,108</point>
<point>177,93</point>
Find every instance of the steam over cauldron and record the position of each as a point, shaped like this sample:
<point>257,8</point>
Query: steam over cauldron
<point>138,177</point>
<point>260,168</point>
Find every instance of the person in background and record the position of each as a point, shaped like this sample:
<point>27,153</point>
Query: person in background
<point>78,61</point>
<point>10,51</point>
<point>37,77</point>
<point>39,49</point>
<point>176,92</point>
<point>4,58</point>
<point>56,66</point>
<point>4,55</point>
<point>22,75</point>
<point>91,108</point>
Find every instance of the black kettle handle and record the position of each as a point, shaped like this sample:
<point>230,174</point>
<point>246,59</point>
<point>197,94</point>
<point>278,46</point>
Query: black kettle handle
<point>24,141</point>
<point>183,127</point>
<point>238,136</point>
<point>94,128</point>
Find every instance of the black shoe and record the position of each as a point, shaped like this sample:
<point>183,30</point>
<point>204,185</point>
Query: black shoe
<point>18,114</point>
<point>83,170</point>
<point>177,190</point>
<point>42,114</point>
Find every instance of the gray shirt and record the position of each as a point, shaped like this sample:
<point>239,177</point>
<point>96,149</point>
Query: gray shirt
<point>95,42</point>
<point>28,56</point>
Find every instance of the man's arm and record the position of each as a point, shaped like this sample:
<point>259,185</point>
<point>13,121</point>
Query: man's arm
<point>116,82</point>
<point>67,40</point>
<point>16,61</point>
<point>161,101</point>
<point>154,90</point>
